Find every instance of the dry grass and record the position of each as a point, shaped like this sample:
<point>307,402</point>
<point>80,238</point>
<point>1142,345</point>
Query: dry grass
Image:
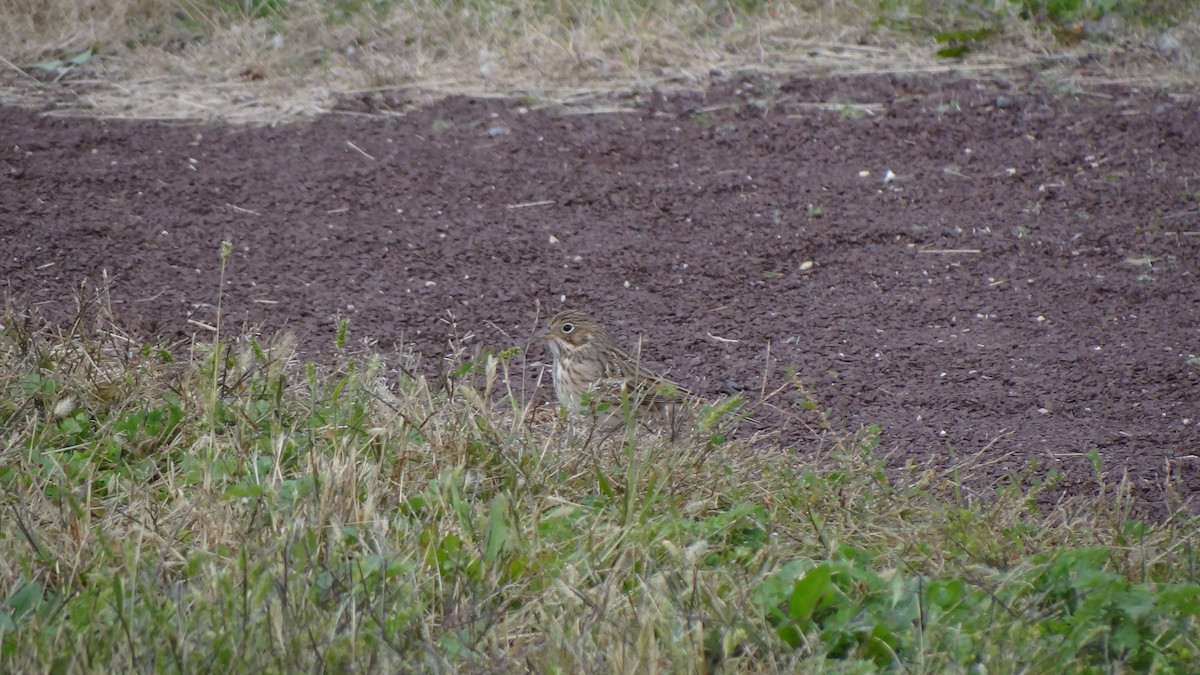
<point>253,60</point>
<point>238,510</point>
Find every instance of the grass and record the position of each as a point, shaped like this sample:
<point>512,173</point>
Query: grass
<point>223,506</point>
<point>266,60</point>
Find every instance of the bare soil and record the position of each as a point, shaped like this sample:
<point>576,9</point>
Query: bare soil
<point>976,266</point>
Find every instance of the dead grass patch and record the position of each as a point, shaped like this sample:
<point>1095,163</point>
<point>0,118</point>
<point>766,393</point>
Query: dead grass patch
<point>263,61</point>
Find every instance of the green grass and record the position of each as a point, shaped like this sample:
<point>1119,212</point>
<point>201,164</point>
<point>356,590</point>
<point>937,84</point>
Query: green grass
<point>237,510</point>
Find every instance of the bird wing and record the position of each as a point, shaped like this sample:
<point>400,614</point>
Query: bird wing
<point>648,386</point>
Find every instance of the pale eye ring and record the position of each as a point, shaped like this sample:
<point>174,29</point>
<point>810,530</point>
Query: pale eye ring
<point>567,328</point>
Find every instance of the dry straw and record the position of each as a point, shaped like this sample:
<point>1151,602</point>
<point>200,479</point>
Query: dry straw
<point>265,62</point>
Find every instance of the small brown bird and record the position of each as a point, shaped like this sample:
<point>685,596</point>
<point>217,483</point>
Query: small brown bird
<point>588,361</point>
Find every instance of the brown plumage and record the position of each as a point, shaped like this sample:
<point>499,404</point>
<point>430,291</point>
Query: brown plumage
<point>587,360</point>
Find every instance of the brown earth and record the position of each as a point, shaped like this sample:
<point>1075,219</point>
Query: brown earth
<point>1025,285</point>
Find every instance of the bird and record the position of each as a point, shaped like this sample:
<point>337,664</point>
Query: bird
<point>591,369</point>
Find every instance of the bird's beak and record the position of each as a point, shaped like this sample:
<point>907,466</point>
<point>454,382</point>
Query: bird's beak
<point>543,334</point>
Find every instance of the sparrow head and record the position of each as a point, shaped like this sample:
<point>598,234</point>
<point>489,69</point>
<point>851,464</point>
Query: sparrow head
<point>571,330</point>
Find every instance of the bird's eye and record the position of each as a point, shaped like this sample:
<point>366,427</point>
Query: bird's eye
<point>567,328</point>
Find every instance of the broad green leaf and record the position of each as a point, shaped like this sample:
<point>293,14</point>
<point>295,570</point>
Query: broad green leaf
<point>243,490</point>
<point>808,591</point>
<point>498,531</point>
